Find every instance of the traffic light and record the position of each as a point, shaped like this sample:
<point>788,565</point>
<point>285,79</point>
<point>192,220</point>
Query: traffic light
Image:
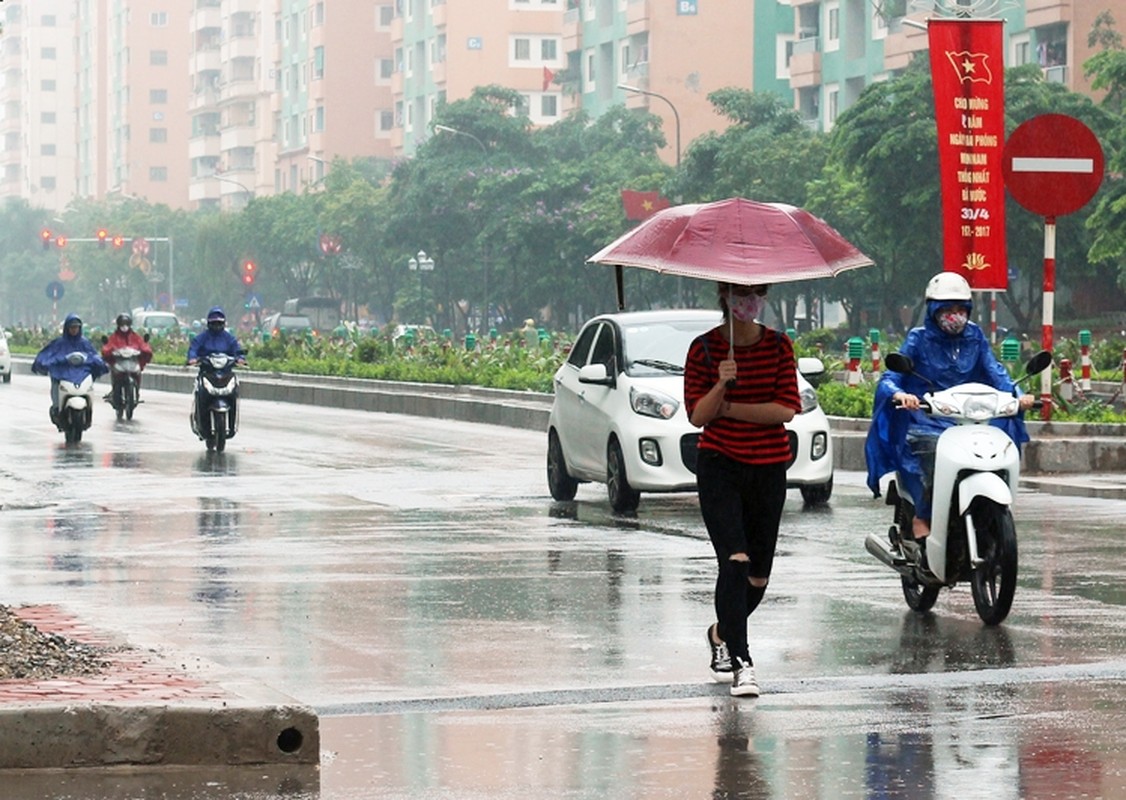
<point>118,242</point>
<point>102,235</point>
<point>249,272</point>
<point>60,241</point>
<point>45,237</point>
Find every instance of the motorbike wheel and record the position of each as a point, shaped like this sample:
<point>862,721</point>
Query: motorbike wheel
<point>219,432</point>
<point>919,596</point>
<point>624,499</point>
<point>130,391</point>
<point>73,428</point>
<point>117,400</point>
<point>994,582</point>
<point>559,481</point>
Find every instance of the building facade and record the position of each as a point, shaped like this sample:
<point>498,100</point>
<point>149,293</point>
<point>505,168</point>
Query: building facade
<point>212,102</point>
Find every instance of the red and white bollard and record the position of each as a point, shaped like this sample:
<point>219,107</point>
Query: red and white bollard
<point>1085,361</point>
<point>875,360</point>
<point>854,376</point>
<point>1067,384</point>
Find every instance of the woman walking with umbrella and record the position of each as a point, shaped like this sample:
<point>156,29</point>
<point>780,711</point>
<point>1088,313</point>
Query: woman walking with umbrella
<point>741,388</point>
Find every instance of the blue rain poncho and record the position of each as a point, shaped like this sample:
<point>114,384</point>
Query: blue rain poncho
<point>52,359</point>
<point>946,360</point>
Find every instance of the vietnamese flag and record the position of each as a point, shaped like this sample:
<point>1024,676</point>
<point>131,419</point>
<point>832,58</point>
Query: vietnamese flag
<point>548,77</point>
<point>642,205</point>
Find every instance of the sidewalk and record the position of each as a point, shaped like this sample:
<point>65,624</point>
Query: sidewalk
<point>146,709</point>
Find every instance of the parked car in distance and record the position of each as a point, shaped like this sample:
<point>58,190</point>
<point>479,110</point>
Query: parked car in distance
<point>5,357</point>
<point>618,413</point>
<point>416,331</point>
<point>155,322</point>
<point>282,322</point>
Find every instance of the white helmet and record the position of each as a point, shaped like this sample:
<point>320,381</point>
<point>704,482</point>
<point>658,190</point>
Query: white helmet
<point>948,286</point>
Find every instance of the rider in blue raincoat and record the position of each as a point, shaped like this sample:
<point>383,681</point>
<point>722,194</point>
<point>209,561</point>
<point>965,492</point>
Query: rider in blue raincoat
<point>215,339</point>
<point>52,360</point>
<point>947,350</point>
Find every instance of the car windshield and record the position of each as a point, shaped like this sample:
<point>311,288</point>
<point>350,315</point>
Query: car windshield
<point>160,321</point>
<point>654,348</point>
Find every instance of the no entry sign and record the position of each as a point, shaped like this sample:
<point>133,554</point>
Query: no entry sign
<point>1053,165</point>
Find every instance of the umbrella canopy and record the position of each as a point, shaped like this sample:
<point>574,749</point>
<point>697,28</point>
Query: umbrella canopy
<point>735,241</point>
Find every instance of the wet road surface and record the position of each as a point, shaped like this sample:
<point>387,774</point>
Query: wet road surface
<point>462,635</point>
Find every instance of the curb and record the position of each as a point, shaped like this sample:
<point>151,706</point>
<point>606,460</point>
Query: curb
<point>148,710</point>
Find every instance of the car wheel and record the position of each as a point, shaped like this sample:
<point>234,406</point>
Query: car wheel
<point>817,494</point>
<point>8,377</point>
<point>623,497</point>
<point>559,481</point>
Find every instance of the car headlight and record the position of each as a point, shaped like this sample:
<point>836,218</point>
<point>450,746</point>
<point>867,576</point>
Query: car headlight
<point>650,403</point>
<point>808,399</point>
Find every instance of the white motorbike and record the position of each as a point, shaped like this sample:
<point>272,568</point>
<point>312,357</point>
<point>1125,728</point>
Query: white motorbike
<point>126,371</point>
<point>75,409</point>
<point>976,471</point>
<point>215,420</point>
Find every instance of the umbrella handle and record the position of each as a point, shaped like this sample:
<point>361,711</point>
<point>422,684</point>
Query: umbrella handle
<point>730,339</point>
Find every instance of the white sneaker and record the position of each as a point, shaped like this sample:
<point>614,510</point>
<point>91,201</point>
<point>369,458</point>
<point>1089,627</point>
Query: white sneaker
<point>744,683</point>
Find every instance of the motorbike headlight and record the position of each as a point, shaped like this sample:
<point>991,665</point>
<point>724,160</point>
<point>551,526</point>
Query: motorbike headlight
<point>980,406</point>
<point>808,399</point>
<point>1008,408</point>
<point>650,403</point>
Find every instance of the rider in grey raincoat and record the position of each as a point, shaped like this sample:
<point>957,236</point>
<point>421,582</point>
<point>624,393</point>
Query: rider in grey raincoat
<point>947,350</point>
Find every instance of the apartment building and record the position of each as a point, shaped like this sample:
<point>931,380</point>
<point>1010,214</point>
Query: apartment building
<point>670,55</point>
<point>443,50</point>
<point>37,101</point>
<point>838,47</point>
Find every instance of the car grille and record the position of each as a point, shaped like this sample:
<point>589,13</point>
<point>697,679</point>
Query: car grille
<point>689,441</point>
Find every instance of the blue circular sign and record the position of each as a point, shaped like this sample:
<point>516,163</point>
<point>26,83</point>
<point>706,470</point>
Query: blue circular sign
<point>55,290</point>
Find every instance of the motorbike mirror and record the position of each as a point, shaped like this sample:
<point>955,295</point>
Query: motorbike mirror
<point>146,336</point>
<point>897,362</point>
<point>1038,363</point>
<point>105,339</point>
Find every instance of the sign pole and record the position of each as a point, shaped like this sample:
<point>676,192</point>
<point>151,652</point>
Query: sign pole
<point>1049,314</point>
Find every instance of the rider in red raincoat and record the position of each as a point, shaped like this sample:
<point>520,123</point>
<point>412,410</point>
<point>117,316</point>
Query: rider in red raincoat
<point>124,336</point>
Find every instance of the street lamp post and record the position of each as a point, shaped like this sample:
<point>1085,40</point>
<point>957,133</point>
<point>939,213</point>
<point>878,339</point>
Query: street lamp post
<point>675,115</point>
<point>485,253</point>
<point>239,184</point>
<point>420,263</point>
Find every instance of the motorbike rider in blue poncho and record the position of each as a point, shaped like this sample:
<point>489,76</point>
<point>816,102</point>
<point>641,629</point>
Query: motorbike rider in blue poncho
<point>52,360</point>
<point>215,339</point>
<point>947,350</point>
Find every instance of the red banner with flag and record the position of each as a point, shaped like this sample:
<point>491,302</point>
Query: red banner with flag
<point>969,100</point>
<point>642,205</point>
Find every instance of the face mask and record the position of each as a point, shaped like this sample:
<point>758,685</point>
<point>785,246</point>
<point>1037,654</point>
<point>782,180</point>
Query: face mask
<point>952,322</point>
<point>123,328</point>
<point>746,307</point>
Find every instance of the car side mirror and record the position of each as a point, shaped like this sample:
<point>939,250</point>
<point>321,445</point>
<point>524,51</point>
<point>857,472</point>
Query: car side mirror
<point>596,374</point>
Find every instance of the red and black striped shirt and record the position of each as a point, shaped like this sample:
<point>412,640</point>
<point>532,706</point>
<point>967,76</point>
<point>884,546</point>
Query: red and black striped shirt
<point>766,375</point>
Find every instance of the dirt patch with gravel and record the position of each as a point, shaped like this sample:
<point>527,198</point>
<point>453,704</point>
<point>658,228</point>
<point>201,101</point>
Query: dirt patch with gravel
<point>27,653</point>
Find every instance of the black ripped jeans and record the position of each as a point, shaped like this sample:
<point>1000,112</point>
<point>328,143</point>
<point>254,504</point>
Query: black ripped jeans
<point>742,506</point>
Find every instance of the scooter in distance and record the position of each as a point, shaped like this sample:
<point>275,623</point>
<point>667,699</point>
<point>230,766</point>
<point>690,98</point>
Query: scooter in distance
<point>126,368</point>
<point>215,420</point>
<point>976,472</point>
<point>75,408</point>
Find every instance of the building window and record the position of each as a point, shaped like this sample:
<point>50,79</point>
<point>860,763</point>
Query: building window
<point>158,135</point>
<point>549,106</point>
<point>158,174</point>
<point>319,63</point>
<point>522,50</point>
<point>158,19</point>
<point>158,58</point>
<point>47,150</point>
<point>47,85</point>
<point>386,68</point>
<point>549,49</point>
<point>48,53</point>
<point>319,123</point>
<point>47,182</point>
<point>158,96</point>
<point>386,120</point>
<point>386,14</point>
<point>48,21</point>
<point>47,117</point>
<point>832,26</point>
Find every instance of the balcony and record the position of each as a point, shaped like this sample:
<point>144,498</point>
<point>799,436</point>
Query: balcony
<point>203,147</point>
<point>1038,13</point>
<point>1057,74</point>
<point>805,68</point>
<point>233,138</point>
<point>901,43</point>
<point>438,14</point>
<point>206,61</point>
<point>206,17</point>
<point>572,25</point>
<point>240,47</point>
<point>637,17</point>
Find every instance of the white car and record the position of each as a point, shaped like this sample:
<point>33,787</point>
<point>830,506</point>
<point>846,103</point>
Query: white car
<point>5,357</point>
<point>618,414</point>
